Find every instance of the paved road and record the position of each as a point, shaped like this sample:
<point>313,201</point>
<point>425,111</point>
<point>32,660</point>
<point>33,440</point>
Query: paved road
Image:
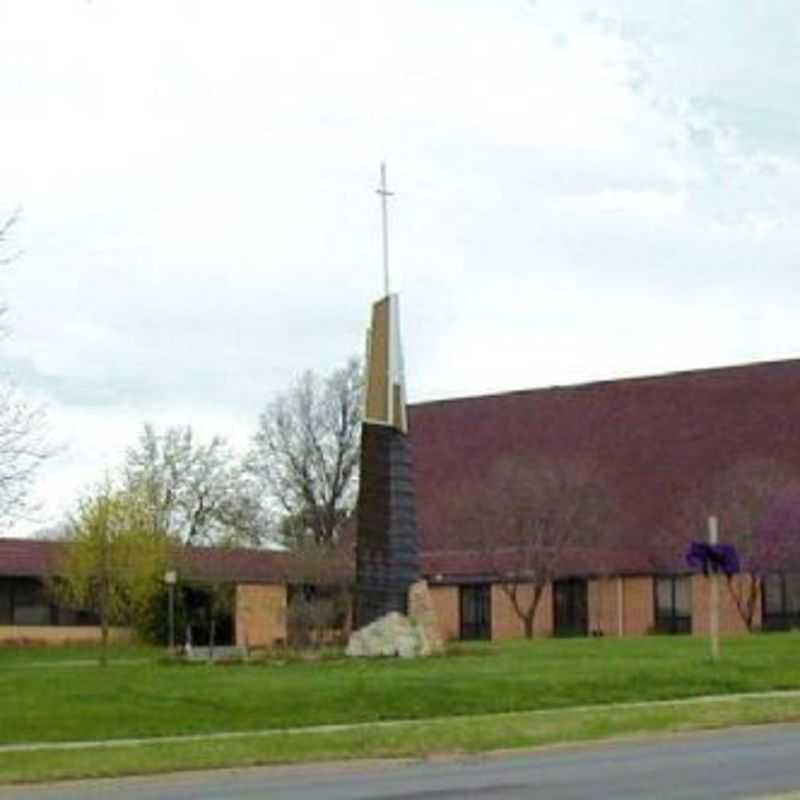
<point>753,762</point>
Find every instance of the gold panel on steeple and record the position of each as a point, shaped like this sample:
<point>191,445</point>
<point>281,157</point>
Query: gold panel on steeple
<point>386,395</point>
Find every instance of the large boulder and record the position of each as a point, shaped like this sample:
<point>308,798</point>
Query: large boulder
<point>395,634</point>
<point>391,635</point>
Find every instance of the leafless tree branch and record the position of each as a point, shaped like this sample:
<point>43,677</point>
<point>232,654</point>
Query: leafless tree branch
<point>305,454</point>
<point>527,516</point>
<point>5,229</point>
<point>23,449</point>
<point>195,490</point>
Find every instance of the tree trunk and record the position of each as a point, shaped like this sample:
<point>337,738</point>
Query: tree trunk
<point>104,625</point>
<point>753,590</point>
<point>105,600</point>
<point>745,599</point>
<point>526,614</point>
<point>528,623</point>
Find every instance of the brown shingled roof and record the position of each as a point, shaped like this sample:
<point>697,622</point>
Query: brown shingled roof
<point>34,558</point>
<point>25,558</point>
<point>248,565</point>
<point>465,566</point>
<point>655,440</point>
<point>220,564</point>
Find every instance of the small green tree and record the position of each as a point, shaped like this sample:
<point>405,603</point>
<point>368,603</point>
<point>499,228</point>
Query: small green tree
<point>114,559</point>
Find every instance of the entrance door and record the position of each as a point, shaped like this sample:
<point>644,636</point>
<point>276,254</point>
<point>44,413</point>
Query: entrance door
<point>570,607</point>
<point>476,612</point>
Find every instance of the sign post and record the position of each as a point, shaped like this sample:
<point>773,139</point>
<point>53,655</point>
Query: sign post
<point>713,606</point>
<point>713,558</point>
<point>171,578</point>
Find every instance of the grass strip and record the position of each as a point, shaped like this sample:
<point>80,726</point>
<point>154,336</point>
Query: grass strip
<point>145,700</point>
<point>460,735</point>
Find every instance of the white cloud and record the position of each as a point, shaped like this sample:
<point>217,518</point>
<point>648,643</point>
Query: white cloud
<point>583,191</point>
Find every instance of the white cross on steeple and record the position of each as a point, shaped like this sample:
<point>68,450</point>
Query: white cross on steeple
<point>384,193</point>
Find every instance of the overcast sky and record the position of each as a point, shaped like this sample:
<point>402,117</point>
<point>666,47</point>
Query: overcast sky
<point>583,190</point>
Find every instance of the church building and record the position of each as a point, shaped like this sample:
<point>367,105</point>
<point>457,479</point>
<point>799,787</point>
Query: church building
<point>657,444</point>
<point>654,443</point>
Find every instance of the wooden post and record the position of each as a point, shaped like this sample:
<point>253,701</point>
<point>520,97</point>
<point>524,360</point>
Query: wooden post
<point>713,610</point>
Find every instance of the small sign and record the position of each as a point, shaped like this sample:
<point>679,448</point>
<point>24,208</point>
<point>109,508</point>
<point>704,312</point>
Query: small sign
<point>713,558</point>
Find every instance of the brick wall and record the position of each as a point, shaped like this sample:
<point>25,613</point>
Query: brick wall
<point>446,604</point>
<point>60,634</point>
<point>633,594</point>
<point>638,606</point>
<point>603,594</point>
<point>604,605</point>
<point>260,615</point>
<point>505,622</point>
<point>638,609</point>
<point>730,621</point>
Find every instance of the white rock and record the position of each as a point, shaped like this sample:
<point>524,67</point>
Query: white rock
<point>423,615</point>
<point>391,635</point>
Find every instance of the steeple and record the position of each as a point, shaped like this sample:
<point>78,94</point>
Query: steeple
<point>387,557</point>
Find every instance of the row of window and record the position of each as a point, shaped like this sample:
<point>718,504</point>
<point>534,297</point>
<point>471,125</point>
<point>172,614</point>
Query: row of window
<point>570,609</point>
<point>673,606</point>
<point>781,601</point>
<point>25,601</point>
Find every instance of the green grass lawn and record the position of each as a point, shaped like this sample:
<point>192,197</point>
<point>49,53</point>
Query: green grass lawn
<point>413,740</point>
<point>65,655</point>
<point>42,698</point>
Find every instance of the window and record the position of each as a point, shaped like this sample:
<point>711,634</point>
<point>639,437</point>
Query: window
<point>31,604</point>
<point>570,607</point>
<point>26,601</point>
<point>673,604</point>
<point>781,601</point>
<point>6,602</point>
<point>476,612</point>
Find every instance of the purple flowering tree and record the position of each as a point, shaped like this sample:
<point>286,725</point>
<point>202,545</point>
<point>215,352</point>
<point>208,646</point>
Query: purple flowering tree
<point>757,502</point>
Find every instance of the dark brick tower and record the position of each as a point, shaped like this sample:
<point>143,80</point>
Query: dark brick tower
<point>387,554</point>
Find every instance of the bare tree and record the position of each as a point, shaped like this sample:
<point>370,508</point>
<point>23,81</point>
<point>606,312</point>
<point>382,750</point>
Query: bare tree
<point>528,517</point>
<point>23,449</point>
<point>193,490</point>
<point>5,228</point>
<point>305,454</point>
<point>23,446</point>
